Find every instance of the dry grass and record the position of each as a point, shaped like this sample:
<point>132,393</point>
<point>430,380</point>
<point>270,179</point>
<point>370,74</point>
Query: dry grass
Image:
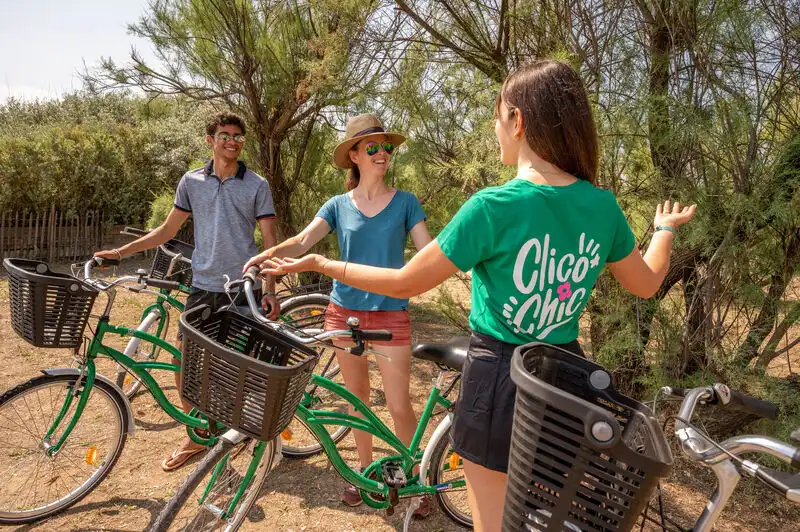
<point>299,495</point>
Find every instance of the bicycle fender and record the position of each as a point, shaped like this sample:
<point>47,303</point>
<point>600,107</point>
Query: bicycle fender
<point>76,372</point>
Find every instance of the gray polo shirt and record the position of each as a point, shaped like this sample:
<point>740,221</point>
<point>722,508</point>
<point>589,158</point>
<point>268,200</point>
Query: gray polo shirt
<point>225,214</point>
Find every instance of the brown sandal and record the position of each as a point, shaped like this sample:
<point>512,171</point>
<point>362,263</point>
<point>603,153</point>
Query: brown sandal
<point>182,456</point>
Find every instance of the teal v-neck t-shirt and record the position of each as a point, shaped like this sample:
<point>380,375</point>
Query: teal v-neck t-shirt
<point>379,240</point>
<point>535,252</point>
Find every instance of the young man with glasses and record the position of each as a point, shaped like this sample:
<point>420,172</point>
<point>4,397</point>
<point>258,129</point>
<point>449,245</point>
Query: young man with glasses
<point>226,201</point>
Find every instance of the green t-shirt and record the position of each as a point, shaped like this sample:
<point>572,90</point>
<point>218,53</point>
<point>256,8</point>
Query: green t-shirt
<point>535,252</point>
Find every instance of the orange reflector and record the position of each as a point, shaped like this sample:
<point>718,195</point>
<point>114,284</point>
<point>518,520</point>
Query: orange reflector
<point>316,312</point>
<point>454,461</point>
<point>91,455</point>
<point>127,380</point>
<point>287,434</point>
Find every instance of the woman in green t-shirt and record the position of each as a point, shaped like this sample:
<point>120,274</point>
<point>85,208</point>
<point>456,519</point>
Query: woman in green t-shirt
<point>535,246</point>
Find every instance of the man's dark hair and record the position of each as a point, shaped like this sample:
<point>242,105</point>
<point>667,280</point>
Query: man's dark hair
<point>225,118</point>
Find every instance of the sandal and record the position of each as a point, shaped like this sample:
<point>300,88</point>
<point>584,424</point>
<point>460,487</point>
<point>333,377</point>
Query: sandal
<point>182,456</point>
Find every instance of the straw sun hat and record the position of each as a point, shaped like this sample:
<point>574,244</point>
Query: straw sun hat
<point>359,128</point>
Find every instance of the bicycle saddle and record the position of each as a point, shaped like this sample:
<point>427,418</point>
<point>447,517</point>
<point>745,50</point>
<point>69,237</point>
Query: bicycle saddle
<point>453,354</point>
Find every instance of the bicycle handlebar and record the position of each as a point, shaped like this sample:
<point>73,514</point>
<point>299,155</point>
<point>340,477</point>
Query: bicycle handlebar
<point>359,336</point>
<point>722,394</point>
<point>697,446</point>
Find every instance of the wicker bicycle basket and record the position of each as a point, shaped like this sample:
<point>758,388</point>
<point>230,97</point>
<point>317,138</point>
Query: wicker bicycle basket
<point>48,309</point>
<point>242,373</point>
<point>583,457</point>
<point>181,271</point>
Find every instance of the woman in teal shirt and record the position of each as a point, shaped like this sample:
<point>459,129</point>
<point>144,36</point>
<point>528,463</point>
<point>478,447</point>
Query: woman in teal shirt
<point>372,222</point>
<point>535,246</point>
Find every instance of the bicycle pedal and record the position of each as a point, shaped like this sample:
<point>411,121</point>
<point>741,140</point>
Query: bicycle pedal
<point>393,475</point>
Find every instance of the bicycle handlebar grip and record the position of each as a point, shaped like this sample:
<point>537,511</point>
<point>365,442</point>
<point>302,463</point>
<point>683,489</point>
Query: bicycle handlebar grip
<point>751,405</point>
<point>106,262</point>
<point>379,335</point>
<point>162,283</point>
<point>251,273</point>
<point>133,231</point>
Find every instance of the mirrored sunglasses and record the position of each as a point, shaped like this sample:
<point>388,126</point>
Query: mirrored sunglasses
<point>373,147</point>
<point>224,137</point>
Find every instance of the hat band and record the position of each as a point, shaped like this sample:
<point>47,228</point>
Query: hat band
<point>375,129</point>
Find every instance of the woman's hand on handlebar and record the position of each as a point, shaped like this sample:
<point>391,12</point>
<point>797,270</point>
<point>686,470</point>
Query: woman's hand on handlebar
<point>309,263</point>
<point>258,259</point>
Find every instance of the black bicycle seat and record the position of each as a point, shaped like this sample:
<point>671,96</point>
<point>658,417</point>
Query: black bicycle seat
<point>453,354</point>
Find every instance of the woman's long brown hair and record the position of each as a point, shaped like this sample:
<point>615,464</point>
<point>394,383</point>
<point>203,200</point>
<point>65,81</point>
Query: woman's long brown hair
<point>556,115</point>
<point>353,174</point>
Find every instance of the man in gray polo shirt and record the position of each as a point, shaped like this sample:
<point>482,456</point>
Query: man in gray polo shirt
<point>226,200</point>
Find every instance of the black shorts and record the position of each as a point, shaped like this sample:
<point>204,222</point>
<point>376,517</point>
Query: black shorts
<point>216,300</point>
<point>484,412</point>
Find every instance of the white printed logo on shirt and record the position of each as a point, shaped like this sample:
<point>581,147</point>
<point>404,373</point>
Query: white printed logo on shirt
<point>548,294</point>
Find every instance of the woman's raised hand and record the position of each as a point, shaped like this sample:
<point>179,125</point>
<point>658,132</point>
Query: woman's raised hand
<point>674,216</point>
<point>308,263</point>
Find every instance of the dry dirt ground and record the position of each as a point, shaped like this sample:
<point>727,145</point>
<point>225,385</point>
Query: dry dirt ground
<point>302,495</point>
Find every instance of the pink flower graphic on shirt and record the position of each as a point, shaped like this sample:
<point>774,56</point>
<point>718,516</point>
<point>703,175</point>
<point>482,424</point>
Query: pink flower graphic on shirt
<point>564,291</point>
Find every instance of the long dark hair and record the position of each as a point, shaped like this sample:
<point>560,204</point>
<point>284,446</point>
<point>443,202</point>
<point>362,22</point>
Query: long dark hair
<point>353,174</point>
<point>556,114</point>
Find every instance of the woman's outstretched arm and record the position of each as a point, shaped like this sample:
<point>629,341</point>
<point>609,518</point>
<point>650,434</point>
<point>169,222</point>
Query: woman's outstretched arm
<point>427,269</point>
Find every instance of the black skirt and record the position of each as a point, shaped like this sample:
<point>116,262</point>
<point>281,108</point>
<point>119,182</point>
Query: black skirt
<point>484,413</point>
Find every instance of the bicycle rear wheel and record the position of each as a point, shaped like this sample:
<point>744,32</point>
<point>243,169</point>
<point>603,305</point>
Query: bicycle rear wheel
<point>203,502</point>
<point>35,484</point>
<point>141,351</point>
<point>308,312</point>
<point>446,467</point>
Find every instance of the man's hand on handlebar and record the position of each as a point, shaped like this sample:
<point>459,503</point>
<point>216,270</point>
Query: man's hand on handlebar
<point>271,306</point>
<point>110,254</point>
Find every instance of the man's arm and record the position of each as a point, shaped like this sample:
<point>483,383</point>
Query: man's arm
<point>153,239</point>
<point>267,226</point>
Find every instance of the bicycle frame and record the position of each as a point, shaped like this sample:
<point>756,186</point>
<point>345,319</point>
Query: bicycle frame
<point>316,420</point>
<point>140,369</point>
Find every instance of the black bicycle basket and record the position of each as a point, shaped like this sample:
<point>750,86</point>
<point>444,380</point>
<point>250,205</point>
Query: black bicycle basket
<point>181,271</point>
<point>242,373</point>
<point>583,457</point>
<point>48,309</point>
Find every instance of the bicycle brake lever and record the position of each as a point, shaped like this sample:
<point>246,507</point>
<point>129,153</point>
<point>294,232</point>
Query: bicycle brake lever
<point>230,284</point>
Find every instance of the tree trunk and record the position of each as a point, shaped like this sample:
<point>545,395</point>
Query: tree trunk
<point>769,308</point>
<point>268,159</point>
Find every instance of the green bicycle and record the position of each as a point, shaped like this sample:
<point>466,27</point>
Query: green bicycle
<point>62,432</point>
<point>250,374</point>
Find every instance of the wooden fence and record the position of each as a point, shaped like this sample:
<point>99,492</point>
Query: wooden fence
<point>50,235</point>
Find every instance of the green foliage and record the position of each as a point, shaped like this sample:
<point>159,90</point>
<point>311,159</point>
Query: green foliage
<point>113,153</point>
<point>160,209</point>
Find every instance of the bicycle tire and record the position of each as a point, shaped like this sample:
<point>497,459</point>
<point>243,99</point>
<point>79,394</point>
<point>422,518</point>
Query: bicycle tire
<point>127,381</point>
<point>182,499</point>
<point>87,430</point>
<point>330,371</point>
<point>440,458</point>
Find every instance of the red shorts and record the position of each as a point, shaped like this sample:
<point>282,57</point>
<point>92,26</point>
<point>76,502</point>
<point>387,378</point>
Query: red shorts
<point>396,321</point>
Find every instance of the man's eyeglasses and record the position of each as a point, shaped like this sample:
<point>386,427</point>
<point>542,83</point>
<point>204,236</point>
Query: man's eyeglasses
<point>373,147</point>
<point>224,137</point>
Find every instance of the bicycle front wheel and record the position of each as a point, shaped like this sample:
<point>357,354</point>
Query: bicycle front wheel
<point>37,484</point>
<point>207,499</point>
